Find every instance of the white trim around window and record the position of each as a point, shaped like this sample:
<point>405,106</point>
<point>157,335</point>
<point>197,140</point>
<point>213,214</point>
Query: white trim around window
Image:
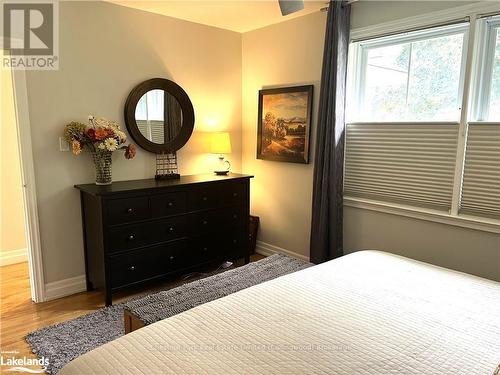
<point>483,18</point>
<point>484,56</point>
<point>358,63</point>
<point>438,18</point>
<point>464,221</point>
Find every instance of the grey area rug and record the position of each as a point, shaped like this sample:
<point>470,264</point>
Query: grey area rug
<point>65,341</point>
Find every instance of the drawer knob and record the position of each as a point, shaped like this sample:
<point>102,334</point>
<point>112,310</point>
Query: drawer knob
<point>170,204</point>
<point>130,210</point>
<point>171,258</point>
<point>171,229</point>
<point>235,194</point>
<point>235,241</point>
<point>205,199</point>
<point>205,222</point>
<point>131,237</point>
<point>235,216</point>
<point>205,249</point>
<point>132,268</point>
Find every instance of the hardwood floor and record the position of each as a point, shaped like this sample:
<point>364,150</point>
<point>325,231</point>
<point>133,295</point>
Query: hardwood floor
<point>19,315</point>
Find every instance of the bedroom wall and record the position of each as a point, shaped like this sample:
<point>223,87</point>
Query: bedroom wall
<point>105,50</point>
<point>281,192</point>
<point>449,246</point>
<point>286,54</point>
<point>367,13</point>
<point>472,251</point>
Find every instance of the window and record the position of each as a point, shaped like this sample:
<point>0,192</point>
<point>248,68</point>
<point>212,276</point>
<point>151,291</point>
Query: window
<point>487,90</point>
<point>411,77</point>
<point>406,112</point>
<point>481,182</point>
<point>401,81</point>
<point>149,115</point>
<point>480,193</point>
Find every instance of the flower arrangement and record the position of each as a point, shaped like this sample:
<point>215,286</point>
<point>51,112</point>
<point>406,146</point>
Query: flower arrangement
<point>101,137</point>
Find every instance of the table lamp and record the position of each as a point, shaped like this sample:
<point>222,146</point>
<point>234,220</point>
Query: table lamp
<point>220,144</point>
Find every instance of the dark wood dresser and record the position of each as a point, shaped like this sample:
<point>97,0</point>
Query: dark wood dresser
<point>145,230</point>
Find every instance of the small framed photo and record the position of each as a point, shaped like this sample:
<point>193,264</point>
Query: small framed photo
<point>284,124</point>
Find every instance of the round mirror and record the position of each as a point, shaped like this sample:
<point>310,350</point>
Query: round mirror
<point>159,116</point>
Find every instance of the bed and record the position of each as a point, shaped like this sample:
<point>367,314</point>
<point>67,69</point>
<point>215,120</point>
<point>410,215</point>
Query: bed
<point>369,312</point>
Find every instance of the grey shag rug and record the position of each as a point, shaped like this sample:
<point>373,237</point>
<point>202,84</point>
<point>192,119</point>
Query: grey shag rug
<point>65,341</point>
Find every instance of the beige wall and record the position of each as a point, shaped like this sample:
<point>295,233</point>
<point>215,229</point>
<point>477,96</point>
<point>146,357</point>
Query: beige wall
<point>105,50</point>
<point>12,235</point>
<point>281,192</point>
<point>466,250</point>
<point>367,13</point>
<point>462,249</point>
<point>285,54</point>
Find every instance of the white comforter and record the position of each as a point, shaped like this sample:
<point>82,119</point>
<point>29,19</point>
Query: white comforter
<point>365,313</point>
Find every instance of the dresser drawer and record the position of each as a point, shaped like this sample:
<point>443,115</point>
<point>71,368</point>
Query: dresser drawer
<point>207,247</point>
<point>235,243</point>
<point>130,237</point>
<point>168,204</point>
<point>203,198</point>
<point>174,228</point>
<point>145,263</point>
<point>205,222</point>
<point>232,194</point>
<point>233,217</point>
<point>136,235</point>
<point>127,210</point>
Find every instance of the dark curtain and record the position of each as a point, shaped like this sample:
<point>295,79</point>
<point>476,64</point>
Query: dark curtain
<point>173,117</point>
<point>327,212</point>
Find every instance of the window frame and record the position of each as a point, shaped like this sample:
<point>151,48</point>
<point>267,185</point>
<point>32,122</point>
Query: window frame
<point>483,63</point>
<point>358,56</point>
<point>475,15</point>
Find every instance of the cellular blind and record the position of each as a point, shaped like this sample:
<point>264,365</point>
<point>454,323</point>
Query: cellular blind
<point>481,181</point>
<point>152,130</point>
<point>411,164</point>
<point>157,128</point>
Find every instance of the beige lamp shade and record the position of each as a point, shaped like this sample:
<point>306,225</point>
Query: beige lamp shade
<point>220,143</point>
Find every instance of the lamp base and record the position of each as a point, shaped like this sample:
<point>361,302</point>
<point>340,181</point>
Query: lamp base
<point>221,173</point>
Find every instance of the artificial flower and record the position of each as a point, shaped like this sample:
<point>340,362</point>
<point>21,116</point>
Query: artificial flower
<point>103,133</point>
<point>76,147</point>
<point>91,134</point>
<point>74,130</point>
<point>130,151</point>
<point>100,135</point>
<point>111,144</point>
<point>102,122</point>
<point>121,135</point>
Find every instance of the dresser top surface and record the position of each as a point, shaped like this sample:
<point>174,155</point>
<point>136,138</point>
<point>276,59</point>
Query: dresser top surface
<point>147,184</point>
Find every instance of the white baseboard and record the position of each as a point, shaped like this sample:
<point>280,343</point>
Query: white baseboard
<point>66,287</point>
<point>267,249</point>
<point>13,257</point>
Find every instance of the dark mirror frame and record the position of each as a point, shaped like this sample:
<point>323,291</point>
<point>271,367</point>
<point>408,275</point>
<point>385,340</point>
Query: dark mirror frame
<point>187,115</point>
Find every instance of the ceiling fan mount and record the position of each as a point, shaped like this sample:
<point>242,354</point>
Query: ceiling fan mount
<point>290,6</point>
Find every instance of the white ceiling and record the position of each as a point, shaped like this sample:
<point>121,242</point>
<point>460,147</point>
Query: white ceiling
<point>235,15</point>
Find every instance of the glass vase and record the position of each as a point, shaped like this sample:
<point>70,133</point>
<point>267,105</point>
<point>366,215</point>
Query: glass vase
<point>102,163</point>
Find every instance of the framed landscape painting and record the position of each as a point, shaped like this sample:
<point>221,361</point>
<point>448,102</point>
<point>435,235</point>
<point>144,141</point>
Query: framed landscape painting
<point>284,124</point>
